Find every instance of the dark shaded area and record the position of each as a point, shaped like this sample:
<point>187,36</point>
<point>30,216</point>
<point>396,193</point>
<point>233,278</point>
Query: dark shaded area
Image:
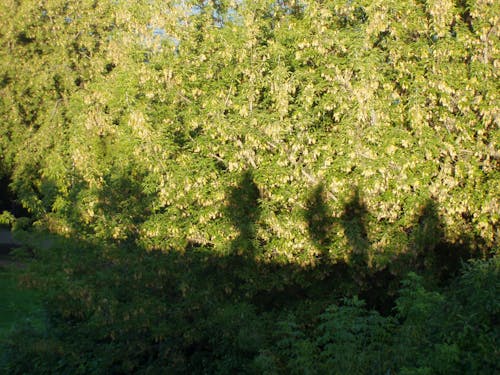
<point>353,220</point>
<point>7,244</point>
<point>244,211</point>
<point>120,194</point>
<point>319,218</point>
<point>119,309</point>
<point>8,200</point>
<point>434,254</point>
<point>5,80</point>
<point>431,254</point>
<point>186,310</point>
<point>376,287</point>
<point>320,222</point>
<point>23,38</point>
<point>428,231</point>
<point>109,67</point>
<point>9,203</point>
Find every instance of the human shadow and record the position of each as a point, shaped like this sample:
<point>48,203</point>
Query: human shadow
<point>432,253</point>
<point>428,250</point>
<point>178,309</point>
<point>354,220</point>
<point>244,210</point>
<point>428,230</point>
<point>319,219</point>
<point>372,284</point>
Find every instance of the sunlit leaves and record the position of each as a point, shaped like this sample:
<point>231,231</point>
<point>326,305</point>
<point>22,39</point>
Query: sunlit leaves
<point>398,99</point>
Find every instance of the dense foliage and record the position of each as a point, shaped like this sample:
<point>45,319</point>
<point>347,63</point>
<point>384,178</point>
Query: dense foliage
<point>195,314</point>
<point>211,179</point>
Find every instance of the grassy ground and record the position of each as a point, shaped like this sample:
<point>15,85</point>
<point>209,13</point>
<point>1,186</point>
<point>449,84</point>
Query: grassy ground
<point>16,304</point>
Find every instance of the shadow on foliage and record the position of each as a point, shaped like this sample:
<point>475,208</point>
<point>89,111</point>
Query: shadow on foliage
<point>320,222</point>
<point>429,251</point>
<point>372,285</point>
<point>432,252</point>
<point>126,309</point>
<point>244,211</point>
<point>353,220</point>
<point>319,219</point>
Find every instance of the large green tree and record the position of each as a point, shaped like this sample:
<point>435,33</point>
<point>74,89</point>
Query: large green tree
<point>105,103</point>
<point>274,145</point>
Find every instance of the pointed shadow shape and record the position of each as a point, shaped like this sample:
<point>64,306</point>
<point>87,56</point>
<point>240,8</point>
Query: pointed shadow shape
<point>244,211</point>
<point>319,219</point>
<point>428,232</point>
<point>353,220</point>
<point>434,253</point>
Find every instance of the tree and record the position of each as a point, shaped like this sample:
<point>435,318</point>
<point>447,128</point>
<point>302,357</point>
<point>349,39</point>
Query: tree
<point>122,137</point>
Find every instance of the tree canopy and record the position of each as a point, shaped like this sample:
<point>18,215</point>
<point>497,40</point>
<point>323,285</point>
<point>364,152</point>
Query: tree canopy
<point>305,144</point>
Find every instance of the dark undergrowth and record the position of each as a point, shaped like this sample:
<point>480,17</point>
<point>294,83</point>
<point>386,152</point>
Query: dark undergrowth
<point>115,308</point>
